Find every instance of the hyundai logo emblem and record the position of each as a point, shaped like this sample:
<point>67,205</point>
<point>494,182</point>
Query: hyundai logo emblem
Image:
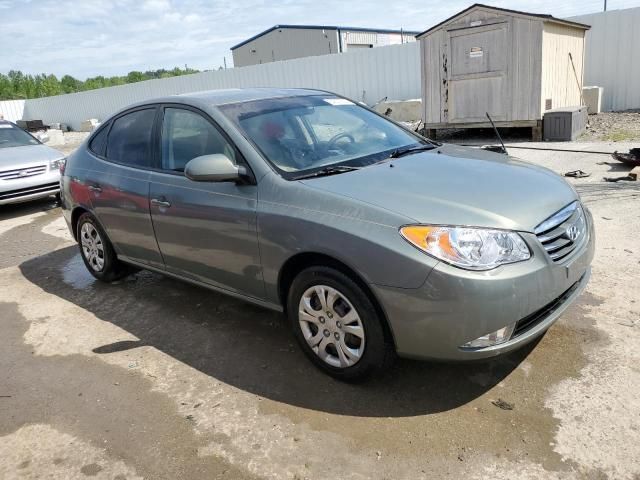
<point>573,232</point>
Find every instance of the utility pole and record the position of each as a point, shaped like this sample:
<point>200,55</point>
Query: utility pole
<point>605,5</point>
<point>225,62</point>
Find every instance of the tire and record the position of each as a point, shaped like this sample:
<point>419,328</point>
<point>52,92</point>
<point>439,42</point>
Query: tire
<point>349,350</point>
<point>98,254</point>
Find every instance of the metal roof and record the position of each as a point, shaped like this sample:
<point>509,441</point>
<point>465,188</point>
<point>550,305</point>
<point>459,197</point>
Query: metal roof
<point>549,18</point>
<point>323,27</point>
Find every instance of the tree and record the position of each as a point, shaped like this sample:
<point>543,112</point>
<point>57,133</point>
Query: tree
<point>16,85</point>
<point>68,84</point>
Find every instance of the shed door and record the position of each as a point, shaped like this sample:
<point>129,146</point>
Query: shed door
<point>477,76</point>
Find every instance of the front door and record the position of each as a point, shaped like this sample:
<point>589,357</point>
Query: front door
<point>119,186</point>
<point>477,74</point>
<point>205,230</point>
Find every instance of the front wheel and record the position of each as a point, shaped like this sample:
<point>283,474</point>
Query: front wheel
<point>337,325</point>
<point>97,252</point>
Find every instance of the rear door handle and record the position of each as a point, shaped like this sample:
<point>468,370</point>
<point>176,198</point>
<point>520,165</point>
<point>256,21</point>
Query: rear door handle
<point>160,202</point>
<point>95,188</point>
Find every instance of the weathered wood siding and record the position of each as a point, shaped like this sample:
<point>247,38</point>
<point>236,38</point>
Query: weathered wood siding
<point>526,69</point>
<point>558,80</point>
<point>431,77</point>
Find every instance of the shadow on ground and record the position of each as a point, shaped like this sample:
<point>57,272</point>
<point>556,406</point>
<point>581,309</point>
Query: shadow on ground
<point>16,210</point>
<point>251,348</point>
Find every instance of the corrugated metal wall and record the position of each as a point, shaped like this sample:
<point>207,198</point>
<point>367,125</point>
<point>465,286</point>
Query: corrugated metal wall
<point>366,75</point>
<point>612,56</point>
<point>12,109</point>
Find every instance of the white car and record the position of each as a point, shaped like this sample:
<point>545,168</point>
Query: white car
<point>28,169</point>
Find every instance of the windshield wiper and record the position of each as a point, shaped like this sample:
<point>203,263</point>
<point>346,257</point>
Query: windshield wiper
<point>399,152</point>
<point>327,171</point>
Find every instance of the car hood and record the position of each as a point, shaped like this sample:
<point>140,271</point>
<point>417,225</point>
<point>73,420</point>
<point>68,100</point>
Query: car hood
<point>27,156</point>
<point>454,185</point>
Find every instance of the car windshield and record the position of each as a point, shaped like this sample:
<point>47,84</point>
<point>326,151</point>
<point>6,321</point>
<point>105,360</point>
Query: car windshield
<point>301,134</point>
<point>11,136</point>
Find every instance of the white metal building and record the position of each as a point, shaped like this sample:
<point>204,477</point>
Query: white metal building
<point>285,42</point>
<point>613,56</point>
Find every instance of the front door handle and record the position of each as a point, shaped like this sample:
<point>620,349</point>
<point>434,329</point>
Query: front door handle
<point>160,202</point>
<point>95,188</point>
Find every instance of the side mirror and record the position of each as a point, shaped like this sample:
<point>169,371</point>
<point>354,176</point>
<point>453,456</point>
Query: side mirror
<point>213,168</point>
<point>43,137</point>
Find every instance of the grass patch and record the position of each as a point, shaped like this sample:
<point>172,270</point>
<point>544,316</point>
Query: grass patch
<point>619,136</point>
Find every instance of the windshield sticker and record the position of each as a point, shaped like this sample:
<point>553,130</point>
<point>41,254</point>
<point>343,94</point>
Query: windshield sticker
<point>4,125</point>
<point>338,101</point>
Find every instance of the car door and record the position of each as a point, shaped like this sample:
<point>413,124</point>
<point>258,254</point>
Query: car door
<point>118,186</point>
<point>205,230</point>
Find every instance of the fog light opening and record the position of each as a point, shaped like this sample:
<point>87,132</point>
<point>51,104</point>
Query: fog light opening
<point>494,338</point>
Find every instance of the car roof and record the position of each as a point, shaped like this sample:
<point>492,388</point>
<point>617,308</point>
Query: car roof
<point>216,98</point>
<point>234,95</point>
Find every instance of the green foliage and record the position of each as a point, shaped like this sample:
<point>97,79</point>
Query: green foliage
<point>16,85</point>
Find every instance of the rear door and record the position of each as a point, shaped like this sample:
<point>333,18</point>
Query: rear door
<point>119,188</point>
<point>477,73</point>
<point>205,230</point>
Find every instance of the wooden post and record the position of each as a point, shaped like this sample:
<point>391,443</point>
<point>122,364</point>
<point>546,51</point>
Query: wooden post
<point>536,132</point>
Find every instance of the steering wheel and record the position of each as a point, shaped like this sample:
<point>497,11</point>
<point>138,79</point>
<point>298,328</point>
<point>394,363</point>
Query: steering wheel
<point>332,143</point>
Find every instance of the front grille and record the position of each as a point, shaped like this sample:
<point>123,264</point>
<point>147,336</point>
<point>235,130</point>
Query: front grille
<point>561,233</point>
<point>20,173</point>
<point>22,192</point>
<point>536,317</point>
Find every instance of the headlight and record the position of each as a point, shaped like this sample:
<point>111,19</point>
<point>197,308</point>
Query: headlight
<point>467,247</point>
<point>57,164</point>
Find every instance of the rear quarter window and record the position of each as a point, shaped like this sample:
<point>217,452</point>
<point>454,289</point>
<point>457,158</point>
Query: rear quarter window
<point>98,144</point>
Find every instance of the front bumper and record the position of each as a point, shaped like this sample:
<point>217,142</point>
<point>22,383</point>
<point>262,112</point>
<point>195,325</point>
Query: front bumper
<point>456,306</point>
<point>31,188</point>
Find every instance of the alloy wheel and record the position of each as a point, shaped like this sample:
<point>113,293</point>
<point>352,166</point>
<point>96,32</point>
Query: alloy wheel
<point>92,246</point>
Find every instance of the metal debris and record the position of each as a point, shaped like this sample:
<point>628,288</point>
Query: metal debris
<point>631,158</point>
<point>577,174</point>
<point>628,178</point>
<point>500,403</point>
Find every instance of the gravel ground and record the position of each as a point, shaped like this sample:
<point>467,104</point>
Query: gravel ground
<point>613,126</point>
<point>153,378</point>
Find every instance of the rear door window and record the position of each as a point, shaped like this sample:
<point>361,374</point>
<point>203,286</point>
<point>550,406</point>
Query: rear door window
<point>130,138</point>
<point>187,135</point>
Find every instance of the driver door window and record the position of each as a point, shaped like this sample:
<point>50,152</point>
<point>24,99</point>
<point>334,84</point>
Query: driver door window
<point>187,135</point>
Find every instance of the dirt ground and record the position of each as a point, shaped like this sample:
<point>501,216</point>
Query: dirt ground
<point>153,378</point>
<point>610,127</point>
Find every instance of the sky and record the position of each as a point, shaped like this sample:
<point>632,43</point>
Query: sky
<point>86,38</point>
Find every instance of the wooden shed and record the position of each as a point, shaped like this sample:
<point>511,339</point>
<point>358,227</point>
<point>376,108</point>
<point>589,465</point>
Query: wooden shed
<point>514,65</point>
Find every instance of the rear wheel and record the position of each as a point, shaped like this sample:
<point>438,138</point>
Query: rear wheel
<point>337,325</point>
<point>97,252</point>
